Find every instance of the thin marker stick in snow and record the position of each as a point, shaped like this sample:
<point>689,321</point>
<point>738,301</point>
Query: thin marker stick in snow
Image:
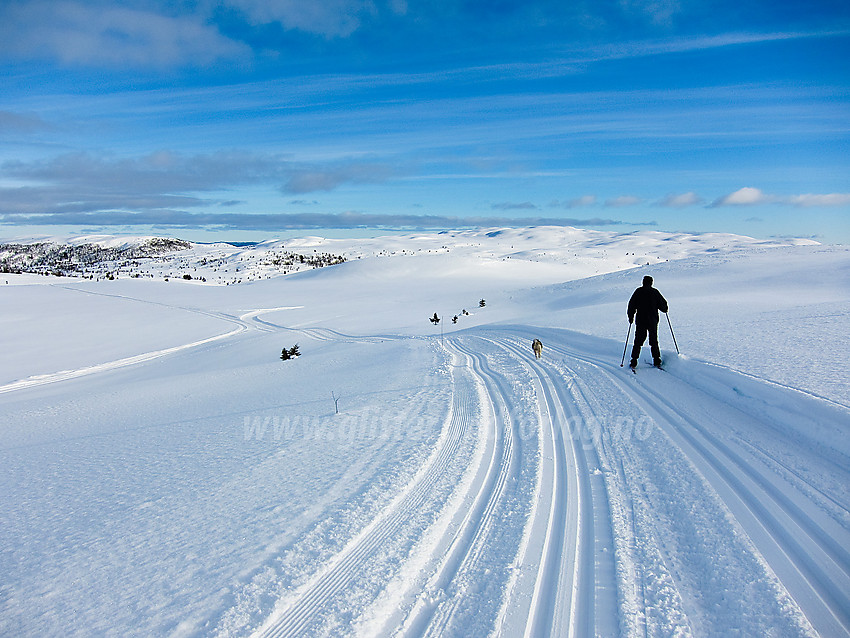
<point>625,347</point>
<point>672,333</point>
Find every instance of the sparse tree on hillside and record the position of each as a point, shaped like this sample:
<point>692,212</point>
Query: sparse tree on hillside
<point>290,353</point>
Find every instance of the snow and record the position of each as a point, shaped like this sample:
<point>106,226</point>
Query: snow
<point>165,473</point>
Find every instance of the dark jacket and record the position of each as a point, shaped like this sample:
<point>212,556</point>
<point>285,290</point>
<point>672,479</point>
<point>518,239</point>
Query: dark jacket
<point>646,301</point>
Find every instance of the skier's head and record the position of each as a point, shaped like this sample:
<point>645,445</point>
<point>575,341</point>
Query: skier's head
<point>647,281</point>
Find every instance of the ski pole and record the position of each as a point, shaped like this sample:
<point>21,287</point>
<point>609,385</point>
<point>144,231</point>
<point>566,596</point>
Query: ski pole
<point>672,333</point>
<point>625,347</point>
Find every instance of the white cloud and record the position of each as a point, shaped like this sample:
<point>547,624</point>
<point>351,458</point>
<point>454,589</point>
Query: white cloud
<point>623,200</point>
<point>749,196</point>
<point>329,18</point>
<point>109,35</point>
<point>681,201</point>
<point>83,182</point>
<point>830,199</point>
<point>314,179</point>
<point>746,196</point>
<point>584,200</point>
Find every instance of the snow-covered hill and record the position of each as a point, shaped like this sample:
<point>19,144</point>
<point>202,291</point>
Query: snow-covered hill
<point>165,473</point>
<point>156,258</point>
<point>586,252</point>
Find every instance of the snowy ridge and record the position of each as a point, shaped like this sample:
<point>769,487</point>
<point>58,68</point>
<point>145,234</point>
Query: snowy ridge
<point>185,481</point>
<point>585,252</point>
<point>102,257</point>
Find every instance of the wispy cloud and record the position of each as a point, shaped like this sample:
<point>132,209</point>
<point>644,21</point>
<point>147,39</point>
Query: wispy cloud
<point>160,34</point>
<point>622,201</point>
<point>108,35</point>
<point>87,182</point>
<point>11,122</point>
<point>328,18</point>
<point>749,196</point>
<point>674,45</point>
<point>830,199</point>
<point>680,201</point>
<point>315,179</point>
<point>514,206</point>
<point>660,12</point>
<point>277,222</point>
<point>303,202</point>
<point>578,202</point>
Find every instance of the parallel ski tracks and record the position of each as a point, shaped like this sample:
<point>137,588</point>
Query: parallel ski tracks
<point>470,542</point>
<point>572,588</point>
<point>797,541</point>
<point>574,594</point>
<point>324,334</point>
<point>297,614</point>
<point>792,542</point>
<point>65,375</point>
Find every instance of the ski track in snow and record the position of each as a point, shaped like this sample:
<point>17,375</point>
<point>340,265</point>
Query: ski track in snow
<point>298,616</point>
<point>635,505</point>
<point>240,322</point>
<point>574,594</point>
<point>794,541</point>
<point>456,574</point>
<point>588,576</point>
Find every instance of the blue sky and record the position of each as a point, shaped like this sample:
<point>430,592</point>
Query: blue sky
<point>261,118</point>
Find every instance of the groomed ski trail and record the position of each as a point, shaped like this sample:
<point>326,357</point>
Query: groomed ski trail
<point>611,538</point>
<point>575,588</point>
<point>302,611</point>
<point>241,324</point>
<point>455,577</point>
<point>560,556</point>
<point>787,533</point>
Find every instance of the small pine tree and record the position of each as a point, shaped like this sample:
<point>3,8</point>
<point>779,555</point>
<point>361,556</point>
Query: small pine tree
<point>294,351</point>
<point>482,303</point>
<point>284,354</point>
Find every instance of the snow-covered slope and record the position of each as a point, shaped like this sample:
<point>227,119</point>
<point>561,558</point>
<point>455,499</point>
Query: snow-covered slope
<point>165,473</point>
<point>583,252</point>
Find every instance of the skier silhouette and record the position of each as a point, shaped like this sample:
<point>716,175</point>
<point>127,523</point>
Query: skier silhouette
<point>645,302</point>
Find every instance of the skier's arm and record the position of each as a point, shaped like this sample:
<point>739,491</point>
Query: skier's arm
<point>662,303</point>
<point>632,306</point>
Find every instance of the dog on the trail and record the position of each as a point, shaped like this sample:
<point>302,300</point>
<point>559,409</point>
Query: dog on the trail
<point>537,346</point>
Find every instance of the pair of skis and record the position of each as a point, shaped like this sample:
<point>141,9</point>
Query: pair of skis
<point>629,332</point>
<point>634,370</point>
